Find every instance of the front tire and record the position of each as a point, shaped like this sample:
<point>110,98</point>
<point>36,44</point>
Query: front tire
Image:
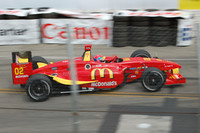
<point>39,87</point>
<point>153,79</point>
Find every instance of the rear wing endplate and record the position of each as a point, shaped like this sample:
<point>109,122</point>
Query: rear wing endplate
<point>21,66</point>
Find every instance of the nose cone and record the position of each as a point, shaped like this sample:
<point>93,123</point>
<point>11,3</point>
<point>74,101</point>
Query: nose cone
<point>171,65</point>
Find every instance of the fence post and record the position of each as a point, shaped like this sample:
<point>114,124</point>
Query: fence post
<point>74,91</point>
<point>198,51</point>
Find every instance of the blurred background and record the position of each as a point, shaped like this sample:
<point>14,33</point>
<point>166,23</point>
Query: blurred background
<point>91,5</point>
<point>167,29</point>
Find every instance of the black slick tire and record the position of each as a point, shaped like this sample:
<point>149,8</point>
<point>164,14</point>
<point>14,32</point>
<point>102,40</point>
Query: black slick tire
<point>37,59</point>
<point>153,79</point>
<point>39,87</point>
<point>140,53</point>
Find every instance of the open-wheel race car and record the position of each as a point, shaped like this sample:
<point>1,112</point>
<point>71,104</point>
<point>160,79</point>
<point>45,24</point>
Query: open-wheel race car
<point>41,78</point>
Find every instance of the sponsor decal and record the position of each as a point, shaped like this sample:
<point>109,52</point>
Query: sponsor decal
<point>102,73</point>
<point>87,48</point>
<point>133,76</point>
<point>134,68</point>
<point>169,66</point>
<point>54,68</point>
<point>186,33</point>
<point>93,33</point>
<point>96,65</point>
<point>19,72</point>
<point>136,72</point>
<point>12,32</point>
<point>90,88</point>
<point>21,76</point>
<point>82,31</point>
<point>145,67</point>
<point>99,84</point>
<point>138,68</point>
<point>87,66</point>
<point>19,31</point>
<point>60,31</point>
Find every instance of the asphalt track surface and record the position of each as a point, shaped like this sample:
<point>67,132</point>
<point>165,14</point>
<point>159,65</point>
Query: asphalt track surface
<point>104,111</point>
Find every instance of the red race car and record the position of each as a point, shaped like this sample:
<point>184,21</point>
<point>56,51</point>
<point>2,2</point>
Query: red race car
<point>41,78</point>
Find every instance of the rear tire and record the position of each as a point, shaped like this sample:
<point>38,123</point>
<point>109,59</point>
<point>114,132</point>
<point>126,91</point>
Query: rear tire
<point>37,59</point>
<point>153,79</point>
<point>39,87</point>
<point>141,53</point>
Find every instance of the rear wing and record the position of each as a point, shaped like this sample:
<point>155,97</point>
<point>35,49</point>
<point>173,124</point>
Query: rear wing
<point>21,66</point>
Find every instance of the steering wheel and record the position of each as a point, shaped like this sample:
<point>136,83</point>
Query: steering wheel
<point>114,58</point>
<point>110,59</point>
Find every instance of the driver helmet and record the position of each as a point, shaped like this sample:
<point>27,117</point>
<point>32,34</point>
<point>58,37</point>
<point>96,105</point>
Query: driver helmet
<point>98,57</point>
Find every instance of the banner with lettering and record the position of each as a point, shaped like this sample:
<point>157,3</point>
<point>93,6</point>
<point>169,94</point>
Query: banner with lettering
<point>82,31</point>
<point>185,32</point>
<point>19,32</point>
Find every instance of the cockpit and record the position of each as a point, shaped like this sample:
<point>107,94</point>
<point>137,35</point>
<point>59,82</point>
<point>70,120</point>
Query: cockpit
<point>99,58</point>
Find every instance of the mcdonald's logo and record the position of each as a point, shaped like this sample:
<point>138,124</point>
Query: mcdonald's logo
<point>102,73</point>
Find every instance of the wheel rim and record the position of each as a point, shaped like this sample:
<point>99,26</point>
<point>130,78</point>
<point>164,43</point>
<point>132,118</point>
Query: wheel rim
<point>153,81</point>
<point>39,89</point>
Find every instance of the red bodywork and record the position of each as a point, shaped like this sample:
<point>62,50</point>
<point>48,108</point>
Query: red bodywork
<point>21,72</point>
<point>93,74</point>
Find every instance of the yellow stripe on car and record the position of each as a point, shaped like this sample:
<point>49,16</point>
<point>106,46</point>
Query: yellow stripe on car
<point>147,59</point>
<point>40,64</point>
<point>69,82</point>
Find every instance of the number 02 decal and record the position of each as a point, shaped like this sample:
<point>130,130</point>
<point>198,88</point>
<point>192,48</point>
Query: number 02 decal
<point>19,71</point>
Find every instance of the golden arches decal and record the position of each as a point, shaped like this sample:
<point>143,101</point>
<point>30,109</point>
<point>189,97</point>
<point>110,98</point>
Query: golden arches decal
<point>102,73</point>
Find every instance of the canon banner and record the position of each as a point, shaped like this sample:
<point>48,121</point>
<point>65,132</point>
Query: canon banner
<point>19,32</point>
<point>83,31</point>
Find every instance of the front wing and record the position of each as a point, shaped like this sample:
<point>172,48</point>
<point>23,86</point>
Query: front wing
<point>175,79</point>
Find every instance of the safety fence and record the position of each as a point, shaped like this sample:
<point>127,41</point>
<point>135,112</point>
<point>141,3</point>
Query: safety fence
<point>121,28</point>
